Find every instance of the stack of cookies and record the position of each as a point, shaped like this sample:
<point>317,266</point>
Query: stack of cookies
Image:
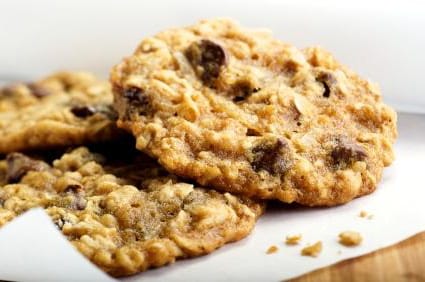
<point>177,154</point>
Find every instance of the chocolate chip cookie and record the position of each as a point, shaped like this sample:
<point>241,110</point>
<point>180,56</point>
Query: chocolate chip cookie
<point>63,109</point>
<point>124,212</point>
<point>241,111</point>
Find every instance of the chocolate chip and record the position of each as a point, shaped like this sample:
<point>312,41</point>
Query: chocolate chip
<point>327,79</point>
<point>209,56</point>
<point>133,94</point>
<point>137,98</point>
<point>83,111</point>
<point>271,157</point>
<point>242,90</point>
<point>252,132</point>
<point>37,90</point>
<point>7,91</point>
<point>18,165</point>
<point>74,188</point>
<point>347,152</point>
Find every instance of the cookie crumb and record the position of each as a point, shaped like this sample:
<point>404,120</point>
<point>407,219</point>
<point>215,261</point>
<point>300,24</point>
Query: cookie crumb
<point>272,249</point>
<point>365,214</point>
<point>312,250</point>
<point>293,239</point>
<point>350,238</point>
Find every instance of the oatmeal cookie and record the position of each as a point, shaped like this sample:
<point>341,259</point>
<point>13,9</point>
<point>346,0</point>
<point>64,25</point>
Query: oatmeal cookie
<point>240,111</point>
<point>125,215</point>
<point>63,109</point>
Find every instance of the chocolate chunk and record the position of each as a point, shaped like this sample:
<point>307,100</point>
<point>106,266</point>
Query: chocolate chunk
<point>242,90</point>
<point>327,79</point>
<point>18,165</point>
<point>83,111</point>
<point>347,152</point>
<point>271,157</point>
<point>37,90</point>
<point>209,56</point>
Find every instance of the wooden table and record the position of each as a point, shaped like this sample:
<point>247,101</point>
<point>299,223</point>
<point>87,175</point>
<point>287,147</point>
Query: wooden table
<point>402,262</point>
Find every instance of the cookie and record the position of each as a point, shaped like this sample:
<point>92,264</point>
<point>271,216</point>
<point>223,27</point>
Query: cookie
<point>63,109</point>
<point>125,215</point>
<point>240,111</point>
<point>3,172</point>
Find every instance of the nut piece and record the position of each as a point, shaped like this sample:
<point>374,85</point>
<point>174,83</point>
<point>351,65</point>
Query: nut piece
<point>312,250</point>
<point>350,238</point>
<point>272,249</point>
<point>271,157</point>
<point>206,57</point>
<point>303,106</point>
<point>293,239</point>
<point>18,165</point>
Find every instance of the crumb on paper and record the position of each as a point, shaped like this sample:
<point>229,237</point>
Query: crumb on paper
<point>293,239</point>
<point>350,238</point>
<point>365,214</point>
<point>312,250</point>
<point>272,249</point>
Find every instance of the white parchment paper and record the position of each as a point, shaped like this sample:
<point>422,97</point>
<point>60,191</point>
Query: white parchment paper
<point>33,250</point>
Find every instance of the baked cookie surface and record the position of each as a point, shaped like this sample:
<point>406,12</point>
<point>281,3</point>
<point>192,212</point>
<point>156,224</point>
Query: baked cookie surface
<point>125,215</point>
<point>67,108</point>
<point>240,111</point>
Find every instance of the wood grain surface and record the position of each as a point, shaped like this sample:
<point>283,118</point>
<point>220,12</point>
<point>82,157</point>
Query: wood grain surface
<point>402,262</point>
